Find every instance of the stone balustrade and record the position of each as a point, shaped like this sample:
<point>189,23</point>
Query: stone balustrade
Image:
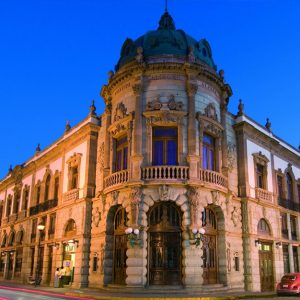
<point>165,172</point>
<point>71,195</point>
<point>116,178</point>
<point>263,194</point>
<point>209,176</point>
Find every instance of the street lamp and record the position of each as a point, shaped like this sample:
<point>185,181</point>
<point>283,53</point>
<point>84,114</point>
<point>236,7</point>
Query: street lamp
<point>41,228</point>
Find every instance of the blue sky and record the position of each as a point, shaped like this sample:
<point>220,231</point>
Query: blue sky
<point>55,56</point>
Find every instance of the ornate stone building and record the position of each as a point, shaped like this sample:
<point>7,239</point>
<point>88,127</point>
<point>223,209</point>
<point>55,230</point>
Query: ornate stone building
<point>166,187</point>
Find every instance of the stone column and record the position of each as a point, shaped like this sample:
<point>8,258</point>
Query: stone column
<point>192,158</point>
<point>137,157</point>
<point>291,258</point>
<point>44,270</point>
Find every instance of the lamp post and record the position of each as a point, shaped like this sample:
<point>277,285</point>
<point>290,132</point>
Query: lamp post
<point>40,228</point>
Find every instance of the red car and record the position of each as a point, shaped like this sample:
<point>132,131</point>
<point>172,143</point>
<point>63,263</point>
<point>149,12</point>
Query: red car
<point>289,284</point>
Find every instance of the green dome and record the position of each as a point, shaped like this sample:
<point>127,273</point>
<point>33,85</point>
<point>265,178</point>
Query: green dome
<point>166,40</point>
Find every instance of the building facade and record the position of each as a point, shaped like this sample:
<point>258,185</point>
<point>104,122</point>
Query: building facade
<point>166,187</point>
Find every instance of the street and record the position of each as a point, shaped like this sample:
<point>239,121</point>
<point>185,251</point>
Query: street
<point>23,294</point>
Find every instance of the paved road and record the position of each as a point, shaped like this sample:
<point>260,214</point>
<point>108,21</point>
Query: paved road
<point>19,294</point>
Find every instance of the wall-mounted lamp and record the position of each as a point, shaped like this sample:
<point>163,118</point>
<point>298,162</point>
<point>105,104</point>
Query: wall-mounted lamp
<point>196,236</point>
<point>73,242</point>
<point>133,236</point>
<point>257,243</point>
<point>278,245</point>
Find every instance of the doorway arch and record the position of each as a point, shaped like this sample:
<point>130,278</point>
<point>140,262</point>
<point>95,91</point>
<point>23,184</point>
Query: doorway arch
<point>209,246</point>
<point>119,246</point>
<point>164,248</point>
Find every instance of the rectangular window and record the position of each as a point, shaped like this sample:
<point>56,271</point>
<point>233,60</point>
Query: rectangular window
<point>33,230</point>
<point>236,263</point>
<point>56,187</point>
<point>25,199</point>
<point>8,206</point>
<point>38,195</point>
<point>260,176</point>
<point>280,186</point>
<point>42,233</point>
<point>51,226</point>
<point>31,260</point>
<point>286,263</point>
<point>295,258</point>
<point>284,228</point>
<point>19,256</point>
<point>95,263</point>
<point>74,177</point>
<point>121,154</point>
<point>164,149</point>
<point>208,153</point>
<point>293,221</point>
<point>16,203</point>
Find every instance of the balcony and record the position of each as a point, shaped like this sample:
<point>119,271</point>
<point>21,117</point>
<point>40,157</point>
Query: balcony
<point>41,207</point>
<point>71,195</point>
<point>263,194</point>
<point>168,173</point>
<point>289,204</point>
<point>212,177</point>
<point>116,178</point>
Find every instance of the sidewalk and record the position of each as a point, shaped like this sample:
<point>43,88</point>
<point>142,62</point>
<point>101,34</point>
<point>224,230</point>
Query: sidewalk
<point>134,294</point>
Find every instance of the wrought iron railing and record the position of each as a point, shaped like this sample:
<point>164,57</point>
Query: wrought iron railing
<point>289,204</point>
<point>41,207</point>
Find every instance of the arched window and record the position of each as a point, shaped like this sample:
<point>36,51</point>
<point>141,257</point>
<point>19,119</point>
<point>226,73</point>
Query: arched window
<point>70,228</point>
<point>209,219</point>
<point>19,237</point>
<point>165,215</point>
<point>263,227</point>
<point>120,219</point>
<point>4,239</point>
<point>47,187</point>
<point>56,187</point>
<point>121,154</point>
<point>38,194</point>
<point>289,186</point>
<point>8,205</point>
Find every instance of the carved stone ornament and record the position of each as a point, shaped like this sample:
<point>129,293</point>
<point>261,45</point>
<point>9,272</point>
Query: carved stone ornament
<point>74,160</point>
<point>139,55</point>
<point>135,199</point>
<point>191,55</point>
<point>17,175</point>
<point>120,112</point>
<point>231,155</point>
<point>260,158</point>
<point>121,124</point>
<point>171,104</point>
<point>101,156</point>
<point>96,217</point>
<point>164,118</point>
<point>235,216</point>
<point>210,125</point>
<point>195,202</point>
<point>164,193</point>
<point>210,112</point>
<point>154,104</point>
<point>216,197</point>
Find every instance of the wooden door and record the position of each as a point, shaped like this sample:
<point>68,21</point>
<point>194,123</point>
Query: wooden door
<point>165,254</point>
<point>209,259</point>
<point>10,266</point>
<point>209,247</point>
<point>120,247</point>
<point>266,267</point>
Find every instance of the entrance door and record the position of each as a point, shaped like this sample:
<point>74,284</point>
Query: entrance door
<point>120,247</point>
<point>209,247</point>
<point>164,245</point>
<point>266,267</point>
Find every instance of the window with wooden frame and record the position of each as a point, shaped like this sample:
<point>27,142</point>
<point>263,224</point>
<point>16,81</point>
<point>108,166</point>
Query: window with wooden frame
<point>8,205</point>
<point>209,153</point>
<point>73,171</point>
<point>16,202</point>
<point>25,197</point>
<point>38,194</point>
<point>56,187</point>
<point>280,186</point>
<point>121,154</point>
<point>284,226</point>
<point>289,187</point>
<point>261,172</point>
<point>164,146</point>
<point>51,229</point>
<point>293,222</point>
<point>47,187</point>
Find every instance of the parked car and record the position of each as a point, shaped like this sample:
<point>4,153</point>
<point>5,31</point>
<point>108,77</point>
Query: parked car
<point>289,284</point>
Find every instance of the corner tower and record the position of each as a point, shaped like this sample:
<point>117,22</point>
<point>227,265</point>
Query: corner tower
<point>164,170</point>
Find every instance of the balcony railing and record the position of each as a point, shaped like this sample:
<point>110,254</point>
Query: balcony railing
<point>289,204</point>
<point>165,173</point>
<point>116,178</point>
<point>213,177</point>
<point>263,194</point>
<point>71,195</point>
<point>41,207</point>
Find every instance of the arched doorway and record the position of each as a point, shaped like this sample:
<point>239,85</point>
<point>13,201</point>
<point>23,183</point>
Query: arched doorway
<point>265,256</point>
<point>120,246</point>
<point>164,261</point>
<point>209,246</point>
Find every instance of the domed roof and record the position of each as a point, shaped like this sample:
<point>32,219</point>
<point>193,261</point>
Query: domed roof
<point>166,40</point>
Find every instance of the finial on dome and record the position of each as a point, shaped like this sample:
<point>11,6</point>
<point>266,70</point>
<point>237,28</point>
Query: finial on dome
<point>166,6</point>
<point>68,126</point>
<point>10,169</point>
<point>166,22</point>
<point>93,108</point>
<point>38,148</point>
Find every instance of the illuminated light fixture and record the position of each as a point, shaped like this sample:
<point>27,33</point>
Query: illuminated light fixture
<point>257,243</point>
<point>56,246</point>
<point>73,242</point>
<point>278,245</point>
<point>41,227</point>
<point>133,236</point>
<point>196,236</point>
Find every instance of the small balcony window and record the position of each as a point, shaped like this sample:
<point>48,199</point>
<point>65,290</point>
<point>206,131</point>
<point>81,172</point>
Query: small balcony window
<point>208,153</point>
<point>164,151</point>
<point>121,154</point>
